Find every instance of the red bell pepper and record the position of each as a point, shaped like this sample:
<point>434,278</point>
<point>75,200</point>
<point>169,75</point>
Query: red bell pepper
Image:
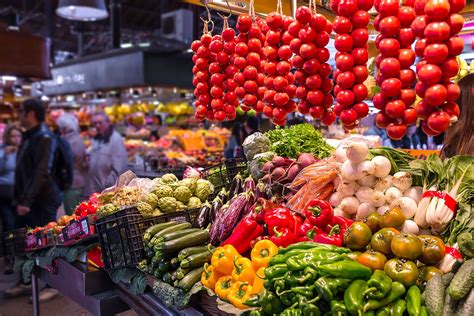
<point>244,233</point>
<point>343,222</point>
<point>283,237</point>
<point>298,223</point>
<point>280,217</point>
<point>334,237</point>
<point>319,212</point>
<point>303,228</point>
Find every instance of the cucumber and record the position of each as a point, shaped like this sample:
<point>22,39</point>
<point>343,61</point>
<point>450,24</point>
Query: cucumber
<point>449,305</point>
<point>466,306</point>
<point>151,231</point>
<point>177,234</point>
<point>463,281</point>
<point>434,295</point>
<point>181,273</point>
<point>190,279</point>
<point>192,250</point>
<point>196,260</point>
<point>173,228</point>
<point>174,263</point>
<point>194,239</point>
<point>164,265</point>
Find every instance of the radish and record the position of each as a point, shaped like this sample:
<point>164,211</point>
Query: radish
<point>293,171</point>
<point>305,160</point>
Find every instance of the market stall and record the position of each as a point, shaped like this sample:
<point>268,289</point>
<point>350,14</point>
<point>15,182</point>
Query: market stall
<point>298,227</point>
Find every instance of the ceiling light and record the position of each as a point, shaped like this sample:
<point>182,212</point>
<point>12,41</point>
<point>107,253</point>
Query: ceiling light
<point>82,10</point>
<point>8,78</point>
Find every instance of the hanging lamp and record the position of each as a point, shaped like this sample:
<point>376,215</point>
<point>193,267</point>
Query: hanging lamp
<point>82,10</point>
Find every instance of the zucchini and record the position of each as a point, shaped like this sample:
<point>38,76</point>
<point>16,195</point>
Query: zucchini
<point>463,281</point>
<point>466,306</point>
<point>177,234</point>
<point>181,273</point>
<point>196,260</point>
<point>157,274</point>
<point>174,263</point>
<point>164,265</point>
<point>192,250</point>
<point>167,278</point>
<point>149,252</point>
<point>194,239</point>
<point>156,259</point>
<point>151,231</point>
<point>434,295</point>
<point>173,228</point>
<point>190,279</point>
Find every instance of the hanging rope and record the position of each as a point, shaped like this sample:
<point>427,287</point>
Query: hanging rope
<point>252,10</point>
<point>279,7</point>
<point>205,29</point>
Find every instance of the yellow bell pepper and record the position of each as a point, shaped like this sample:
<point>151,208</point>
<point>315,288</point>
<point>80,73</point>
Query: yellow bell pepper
<point>239,293</point>
<point>223,286</point>
<point>257,286</point>
<point>262,253</point>
<point>223,259</point>
<point>209,276</point>
<point>243,270</point>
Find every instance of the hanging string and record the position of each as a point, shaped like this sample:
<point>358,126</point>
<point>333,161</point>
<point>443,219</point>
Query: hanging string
<point>205,29</point>
<point>252,10</point>
<point>279,7</point>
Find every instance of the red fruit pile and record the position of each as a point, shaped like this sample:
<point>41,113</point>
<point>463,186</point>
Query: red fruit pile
<point>310,36</point>
<point>350,26</point>
<point>395,78</point>
<point>437,25</point>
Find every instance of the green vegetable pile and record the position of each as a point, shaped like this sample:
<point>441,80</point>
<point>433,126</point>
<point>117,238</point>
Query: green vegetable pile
<point>308,278</point>
<point>451,294</point>
<point>296,139</point>
<point>176,253</point>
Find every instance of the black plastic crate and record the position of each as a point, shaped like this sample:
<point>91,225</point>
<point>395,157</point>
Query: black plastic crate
<point>14,242</point>
<point>121,235</point>
<point>222,175</point>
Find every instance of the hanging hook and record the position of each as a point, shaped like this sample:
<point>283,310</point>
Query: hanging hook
<point>230,11</point>
<point>209,18</point>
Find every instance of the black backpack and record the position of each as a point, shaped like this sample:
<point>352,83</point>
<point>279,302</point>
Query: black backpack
<point>63,169</point>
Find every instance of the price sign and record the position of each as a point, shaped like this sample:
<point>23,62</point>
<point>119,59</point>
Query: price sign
<point>85,226</point>
<point>74,230</point>
<point>31,241</point>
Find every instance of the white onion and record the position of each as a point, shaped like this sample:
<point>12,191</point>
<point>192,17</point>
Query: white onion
<point>402,180</point>
<point>367,181</point>
<point>335,199</point>
<point>349,205</point>
<point>348,188</point>
<point>383,209</point>
<point>357,152</point>
<point>366,167</point>
<point>339,212</point>
<point>410,226</point>
<point>364,210</point>
<point>340,154</point>
<point>365,194</point>
<point>392,193</point>
<point>407,205</point>
<point>379,199</point>
<point>382,166</point>
<point>349,171</point>
<point>382,184</point>
<point>414,193</point>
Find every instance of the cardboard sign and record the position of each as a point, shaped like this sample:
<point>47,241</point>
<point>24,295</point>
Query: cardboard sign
<point>421,154</point>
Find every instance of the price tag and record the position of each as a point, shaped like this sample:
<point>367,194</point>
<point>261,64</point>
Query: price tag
<point>85,226</point>
<point>31,241</point>
<point>73,230</point>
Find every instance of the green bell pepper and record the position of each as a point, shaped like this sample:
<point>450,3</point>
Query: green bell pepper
<point>311,245</point>
<point>413,299</point>
<point>256,313</point>
<point>378,285</point>
<point>398,307</point>
<point>354,297</point>
<point>253,301</point>
<point>312,259</point>
<point>338,308</point>
<point>383,311</point>
<point>423,311</point>
<point>291,311</point>
<point>327,287</point>
<point>276,271</point>
<point>397,291</point>
<point>309,309</point>
<point>270,303</point>
<point>288,298</point>
<point>346,269</point>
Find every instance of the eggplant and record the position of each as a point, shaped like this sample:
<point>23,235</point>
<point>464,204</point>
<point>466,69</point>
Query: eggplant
<point>228,220</point>
<point>237,185</point>
<point>215,228</point>
<point>223,195</point>
<point>215,207</point>
<point>261,191</point>
<point>204,217</point>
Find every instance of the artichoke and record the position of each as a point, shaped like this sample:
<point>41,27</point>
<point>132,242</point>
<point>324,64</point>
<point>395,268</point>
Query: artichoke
<point>145,209</point>
<point>163,191</point>
<point>167,204</point>
<point>203,189</point>
<point>151,199</point>
<point>105,210</point>
<point>182,194</point>
<point>194,202</point>
<point>169,178</point>
<point>190,183</point>
<point>180,206</point>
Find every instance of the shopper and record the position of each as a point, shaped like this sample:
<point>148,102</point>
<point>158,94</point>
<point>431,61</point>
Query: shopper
<point>108,157</point>
<point>69,128</point>
<point>234,148</point>
<point>8,150</point>
<point>37,191</point>
<point>459,138</point>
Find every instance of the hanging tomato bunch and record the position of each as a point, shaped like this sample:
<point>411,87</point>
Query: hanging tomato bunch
<point>310,36</point>
<point>350,26</point>
<point>437,25</point>
<point>395,78</point>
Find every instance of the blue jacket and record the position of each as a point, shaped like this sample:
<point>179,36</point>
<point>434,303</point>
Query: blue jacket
<point>7,168</point>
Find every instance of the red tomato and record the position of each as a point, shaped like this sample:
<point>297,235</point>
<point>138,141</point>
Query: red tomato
<point>346,80</point>
<point>274,21</point>
<point>438,121</point>
<point>301,92</point>
<point>303,107</point>
<point>450,68</point>
<point>283,67</point>
<point>311,66</point>
<point>316,111</point>
<point>427,130</point>
<point>303,15</point>
<point>436,53</point>
<point>438,9</point>
<point>360,19</point>
<point>456,5</point>
<point>362,109</point>
<point>406,57</point>
<point>361,73</point>
<point>423,109</point>
<point>382,120</point>
<point>389,47</point>
<point>244,23</point>
<point>452,109</point>
<point>377,20</point>
<point>420,89</point>
<point>365,5</point>
<point>453,92</point>
<point>360,37</point>
<point>325,70</point>
<point>295,46</point>
<point>323,54</point>
<point>294,28</point>
<point>345,97</point>
<point>396,131</point>
<point>280,83</point>
<point>437,32</point>
<point>408,96</point>
<point>347,8</point>
<point>308,50</point>
<point>419,25</point>
<point>315,97</point>
<point>456,23</point>
<point>420,47</point>
<point>348,117</point>
<point>395,109</point>
<point>455,46</point>
<point>409,117</point>
<point>407,77</point>
<point>318,22</point>
<point>361,56</point>
<point>390,67</point>
<point>345,62</point>
<point>281,98</point>
<point>338,109</point>
<point>313,82</point>
<point>388,7</point>
<point>328,101</point>
<point>343,43</point>
<point>360,92</point>
<point>307,35</point>
<point>429,74</point>
<point>406,15</point>
<point>436,95</point>
<point>389,26</point>
<point>322,39</point>
<point>420,6</point>
<point>406,37</point>
<point>342,25</point>
<point>297,61</point>
<point>391,87</point>
<point>379,101</point>
<point>328,118</point>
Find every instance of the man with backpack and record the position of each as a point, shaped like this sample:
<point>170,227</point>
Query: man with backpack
<point>43,171</point>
